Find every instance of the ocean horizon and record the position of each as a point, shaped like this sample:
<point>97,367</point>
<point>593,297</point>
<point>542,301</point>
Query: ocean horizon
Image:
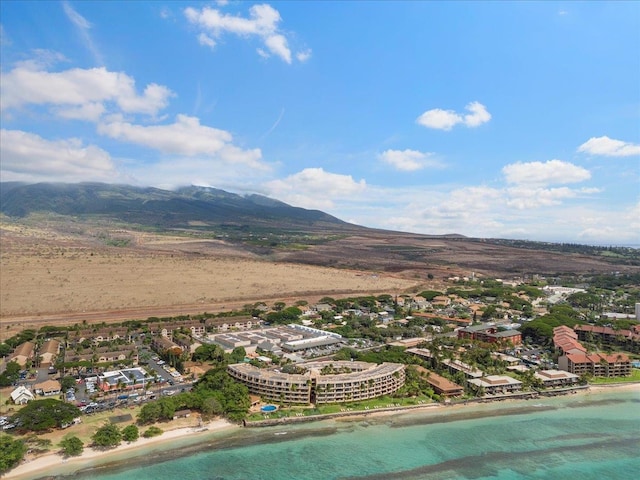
<point>593,436</point>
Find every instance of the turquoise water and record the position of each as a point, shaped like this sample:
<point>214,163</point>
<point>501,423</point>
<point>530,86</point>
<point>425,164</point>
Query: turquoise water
<point>594,436</point>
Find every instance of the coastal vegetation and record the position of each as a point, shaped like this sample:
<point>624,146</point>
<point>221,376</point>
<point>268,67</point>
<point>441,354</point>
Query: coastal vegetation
<point>11,452</point>
<point>44,415</point>
<point>71,446</point>
<point>107,436</point>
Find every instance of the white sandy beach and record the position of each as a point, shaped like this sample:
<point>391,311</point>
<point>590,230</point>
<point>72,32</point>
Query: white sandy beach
<point>55,464</point>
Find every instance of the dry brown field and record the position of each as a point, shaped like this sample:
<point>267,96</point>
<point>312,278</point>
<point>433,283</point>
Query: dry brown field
<point>49,278</point>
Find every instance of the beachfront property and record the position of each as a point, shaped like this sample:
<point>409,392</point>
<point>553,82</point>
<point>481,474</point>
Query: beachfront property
<point>596,364</point>
<point>607,335</point>
<point>565,340</point>
<point>490,334</point>
<point>441,385</point>
<point>556,378</point>
<point>468,371</point>
<point>123,379</point>
<point>322,382</point>
<point>495,384</point>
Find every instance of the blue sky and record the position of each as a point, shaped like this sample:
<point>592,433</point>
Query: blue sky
<point>488,119</point>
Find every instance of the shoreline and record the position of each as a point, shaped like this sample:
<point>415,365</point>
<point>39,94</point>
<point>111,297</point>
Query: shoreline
<point>53,464</point>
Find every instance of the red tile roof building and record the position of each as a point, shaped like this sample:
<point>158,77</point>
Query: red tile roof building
<point>596,364</point>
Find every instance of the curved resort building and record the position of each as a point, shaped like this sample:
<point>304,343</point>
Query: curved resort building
<point>322,382</point>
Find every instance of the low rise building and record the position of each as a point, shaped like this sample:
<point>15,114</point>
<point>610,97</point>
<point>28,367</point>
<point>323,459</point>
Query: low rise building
<point>21,395</point>
<point>490,334</point>
<point>496,384</point>
<point>441,385</point>
<point>23,354</point>
<point>48,352</point>
<point>124,379</point>
<point>48,388</point>
<point>556,378</point>
<point>596,364</point>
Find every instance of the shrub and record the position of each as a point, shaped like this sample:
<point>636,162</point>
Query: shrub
<point>152,432</point>
<point>72,446</point>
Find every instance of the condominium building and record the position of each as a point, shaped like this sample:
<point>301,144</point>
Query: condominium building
<point>596,364</point>
<point>495,384</point>
<point>556,378</point>
<point>322,382</point>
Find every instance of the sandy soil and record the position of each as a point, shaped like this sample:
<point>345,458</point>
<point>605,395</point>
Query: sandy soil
<point>48,278</point>
<point>53,464</point>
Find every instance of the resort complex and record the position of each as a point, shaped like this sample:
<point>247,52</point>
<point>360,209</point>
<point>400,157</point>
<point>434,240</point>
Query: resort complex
<point>322,382</point>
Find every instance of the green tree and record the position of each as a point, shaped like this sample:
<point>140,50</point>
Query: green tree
<point>10,375</point>
<point>107,436</point>
<point>11,452</point>
<point>149,413</point>
<point>152,432</point>
<point>4,349</point>
<point>42,415</point>
<point>130,433</point>
<point>72,446</point>
<point>68,382</point>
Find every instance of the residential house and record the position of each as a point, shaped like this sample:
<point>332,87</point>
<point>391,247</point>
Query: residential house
<point>49,352</point>
<point>48,388</point>
<point>21,395</point>
<point>23,354</point>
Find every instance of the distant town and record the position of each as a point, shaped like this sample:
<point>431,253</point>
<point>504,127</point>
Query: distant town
<point>476,339</point>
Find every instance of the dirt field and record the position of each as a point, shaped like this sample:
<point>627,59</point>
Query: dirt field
<point>46,278</point>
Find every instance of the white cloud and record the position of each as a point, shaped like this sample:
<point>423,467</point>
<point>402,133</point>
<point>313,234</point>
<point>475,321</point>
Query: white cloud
<point>89,112</point>
<point>206,40</point>
<point>478,115</point>
<point>315,188</point>
<point>447,119</point>
<point>409,160</point>
<point>262,23</point>
<point>83,26</point>
<point>525,197</point>
<point>304,55</point>
<point>545,173</point>
<point>609,147</point>
<point>29,157</point>
<point>29,84</point>
<point>185,137</point>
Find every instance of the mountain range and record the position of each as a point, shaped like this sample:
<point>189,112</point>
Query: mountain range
<point>258,225</point>
<point>159,208</point>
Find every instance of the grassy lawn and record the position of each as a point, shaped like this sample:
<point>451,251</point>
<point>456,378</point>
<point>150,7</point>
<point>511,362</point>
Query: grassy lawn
<point>362,406</point>
<point>634,377</point>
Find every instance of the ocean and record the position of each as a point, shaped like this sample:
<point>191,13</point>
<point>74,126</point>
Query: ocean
<point>590,436</point>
